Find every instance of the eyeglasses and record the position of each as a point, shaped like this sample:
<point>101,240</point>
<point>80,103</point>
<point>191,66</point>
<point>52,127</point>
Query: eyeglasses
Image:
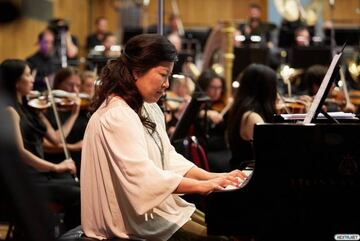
<point>212,87</point>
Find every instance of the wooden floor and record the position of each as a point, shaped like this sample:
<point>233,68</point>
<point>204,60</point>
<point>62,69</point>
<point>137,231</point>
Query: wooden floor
<point>3,230</point>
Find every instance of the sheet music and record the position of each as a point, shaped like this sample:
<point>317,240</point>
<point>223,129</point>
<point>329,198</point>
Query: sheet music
<point>337,115</point>
<point>321,91</point>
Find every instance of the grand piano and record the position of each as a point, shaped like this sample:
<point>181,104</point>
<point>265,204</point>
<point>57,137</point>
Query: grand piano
<point>305,186</point>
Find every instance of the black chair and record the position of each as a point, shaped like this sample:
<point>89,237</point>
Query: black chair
<point>77,234</point>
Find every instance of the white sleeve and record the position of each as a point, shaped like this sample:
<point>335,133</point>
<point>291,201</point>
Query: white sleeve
<point>176,162</point>
<point>143,184</point>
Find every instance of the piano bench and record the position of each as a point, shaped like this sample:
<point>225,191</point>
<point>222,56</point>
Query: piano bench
<point>76,234</point>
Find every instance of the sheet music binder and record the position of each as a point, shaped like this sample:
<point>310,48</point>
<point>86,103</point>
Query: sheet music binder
<point>331,75</point>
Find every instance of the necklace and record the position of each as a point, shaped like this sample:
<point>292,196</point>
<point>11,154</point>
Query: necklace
<point>157,139</point>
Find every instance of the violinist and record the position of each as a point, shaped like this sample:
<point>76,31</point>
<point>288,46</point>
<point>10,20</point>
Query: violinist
<point>177,99</point>
<point>336,100</point>
<point>211,126</point>
<point>30,129</point>
<point>88,79</point>
<point>68,80</point>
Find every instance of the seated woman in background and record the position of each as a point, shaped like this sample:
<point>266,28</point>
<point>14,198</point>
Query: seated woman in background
<point>214,87</point>
<point>30,129</point>
<point>177,100</point>
<point>336,100</point>
<point>68,79</point>
<point>254,102</point>
<point>88,79</point>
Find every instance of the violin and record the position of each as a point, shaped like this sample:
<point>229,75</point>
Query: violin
<point>64,100</point>
<point>292,105</point>
<point>355,97</point>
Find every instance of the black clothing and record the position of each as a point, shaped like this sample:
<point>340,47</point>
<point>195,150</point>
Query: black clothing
<point>241,150</point>
<point>262,29</point>
<point>32,131</point>
<point>62,189</point>
<point>241,153</point>
<point>45,66</point>
<point>76,134</point>
<point>92,40</point>
<point>21,203</point>
<point>70,61</point>
<point>212,138</point>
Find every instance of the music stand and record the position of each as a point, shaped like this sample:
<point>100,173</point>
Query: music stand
<point>350,36</point>
<point>189,116</point>
<point>245,56</point>
<point>304,57</point>
<point>331,75</point>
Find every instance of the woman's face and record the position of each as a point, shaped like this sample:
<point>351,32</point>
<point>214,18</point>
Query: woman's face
<point>71,84</point>
<point>153,83</point>
<point>88,86</point>
<point>214,89</point>
<point>25,84</point>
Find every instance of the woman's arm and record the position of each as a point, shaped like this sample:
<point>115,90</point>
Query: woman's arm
<point>247,124</point>
<point>32,160</point>
<point>52,148</point>
<point>54,135</point>
<point>189,185</point>
<point>200,174</point>
<point>217,181</point>
<point>71,49</point>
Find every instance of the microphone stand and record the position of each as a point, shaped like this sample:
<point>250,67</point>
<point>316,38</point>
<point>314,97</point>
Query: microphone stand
<point>63,56</point>
<point>332,30</point>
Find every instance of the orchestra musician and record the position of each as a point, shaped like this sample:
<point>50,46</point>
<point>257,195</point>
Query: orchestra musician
<point>177,99</point>
<point>88,79</point>
<point>214,125</point>
<point>255,26</point>
<point>128,161</point>
<point>30,128</point>
<point>254,102</point>
<point>68,80</point>
<point>44,60</point>
<point>336,100</point>
<point>96,38</point>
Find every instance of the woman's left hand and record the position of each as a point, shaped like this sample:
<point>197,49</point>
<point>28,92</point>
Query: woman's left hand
<point>235,176</point>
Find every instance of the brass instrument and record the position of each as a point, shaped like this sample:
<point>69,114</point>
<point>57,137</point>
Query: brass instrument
<point>292,10</point>
<point>354,67</point>
<point>229,31</point>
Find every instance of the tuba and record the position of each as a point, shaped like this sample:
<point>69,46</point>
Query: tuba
<point>292,10</point>
<point>354,67</point>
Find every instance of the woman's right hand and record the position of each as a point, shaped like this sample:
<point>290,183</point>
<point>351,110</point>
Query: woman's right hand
<point>215,184</point>
<point>68,165</point>
<point>215,116</point>
<point>76,107</point>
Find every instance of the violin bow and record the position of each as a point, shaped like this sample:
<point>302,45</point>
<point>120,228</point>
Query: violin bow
<point>58,122</point>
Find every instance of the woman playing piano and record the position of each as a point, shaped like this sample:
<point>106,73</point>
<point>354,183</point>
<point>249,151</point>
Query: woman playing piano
<point>131,176</point>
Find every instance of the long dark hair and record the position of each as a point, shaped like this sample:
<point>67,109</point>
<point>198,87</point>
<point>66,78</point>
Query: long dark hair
<point>11,72</point>
<point>257,93</point>
<point>140,54</point>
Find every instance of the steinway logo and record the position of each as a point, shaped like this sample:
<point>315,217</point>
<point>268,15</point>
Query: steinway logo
<point>347,237</point>
<point>348,166</point>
